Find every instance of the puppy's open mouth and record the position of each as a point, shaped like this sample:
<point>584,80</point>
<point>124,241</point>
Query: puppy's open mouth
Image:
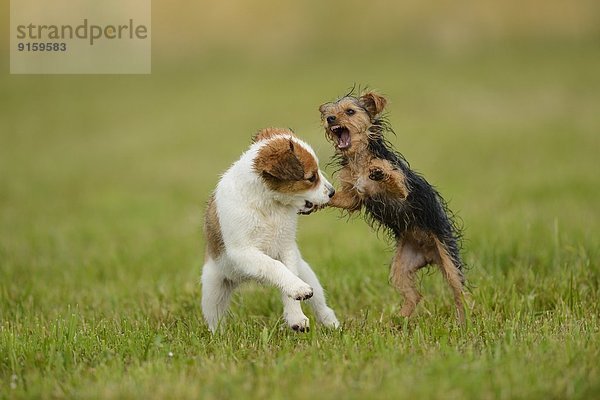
<point>342,136</point>
<point>308,208</point>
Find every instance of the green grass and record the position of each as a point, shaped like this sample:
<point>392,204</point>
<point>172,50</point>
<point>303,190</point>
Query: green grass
<point>102,186</point>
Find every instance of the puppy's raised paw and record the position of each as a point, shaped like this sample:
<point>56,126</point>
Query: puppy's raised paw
<point>376,174</point>
<point>302,292</point>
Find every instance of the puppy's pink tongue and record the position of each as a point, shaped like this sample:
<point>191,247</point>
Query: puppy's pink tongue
<point>344,140</point>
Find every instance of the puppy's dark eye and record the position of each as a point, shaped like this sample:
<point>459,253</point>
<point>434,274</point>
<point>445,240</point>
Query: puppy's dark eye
<point>350,112</point>
<point>312,178</point>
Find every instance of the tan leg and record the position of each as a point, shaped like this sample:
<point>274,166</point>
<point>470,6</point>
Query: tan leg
<point>391,180</point>
<point>407,261</point>
<point>345,198</point>
<point>454,278</point>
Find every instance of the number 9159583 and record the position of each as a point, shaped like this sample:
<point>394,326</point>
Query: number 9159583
<point>41,46</point>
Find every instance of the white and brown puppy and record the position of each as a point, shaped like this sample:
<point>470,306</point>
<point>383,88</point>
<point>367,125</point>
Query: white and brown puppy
<point>250,228</point>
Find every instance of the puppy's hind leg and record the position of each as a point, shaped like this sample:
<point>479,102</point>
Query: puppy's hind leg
<point>216,293</point>
<point>454,278</point>
<point>323,313</point>
<point>407,261</point>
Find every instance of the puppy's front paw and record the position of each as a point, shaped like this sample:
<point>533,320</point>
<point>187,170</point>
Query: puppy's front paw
<point>301,292</point>
<point>300,324</point>
<point>376,174</point>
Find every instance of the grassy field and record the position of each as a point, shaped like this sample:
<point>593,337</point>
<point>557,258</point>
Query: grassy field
<point>102,188</point>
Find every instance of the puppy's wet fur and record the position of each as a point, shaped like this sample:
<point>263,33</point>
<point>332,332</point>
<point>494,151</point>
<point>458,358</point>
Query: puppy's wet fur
<point>376,178</point>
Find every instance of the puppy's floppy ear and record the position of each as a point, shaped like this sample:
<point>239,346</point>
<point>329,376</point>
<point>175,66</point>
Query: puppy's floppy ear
<point>277,161</point>
<point>323,107</point>
<point>373,103</point>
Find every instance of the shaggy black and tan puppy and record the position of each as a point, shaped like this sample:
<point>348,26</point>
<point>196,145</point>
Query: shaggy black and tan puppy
<point>374,176</point>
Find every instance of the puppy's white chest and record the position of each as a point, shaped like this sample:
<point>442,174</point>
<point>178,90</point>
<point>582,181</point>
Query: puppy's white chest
<point>274,232</point>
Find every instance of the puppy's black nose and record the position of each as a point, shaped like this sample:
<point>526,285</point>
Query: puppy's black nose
<point>331,193</point>
<point>331,119</point>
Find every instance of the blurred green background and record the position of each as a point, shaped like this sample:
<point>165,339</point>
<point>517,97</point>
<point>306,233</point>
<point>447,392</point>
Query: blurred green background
<point>103,179</point>
<point>496,102</point>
